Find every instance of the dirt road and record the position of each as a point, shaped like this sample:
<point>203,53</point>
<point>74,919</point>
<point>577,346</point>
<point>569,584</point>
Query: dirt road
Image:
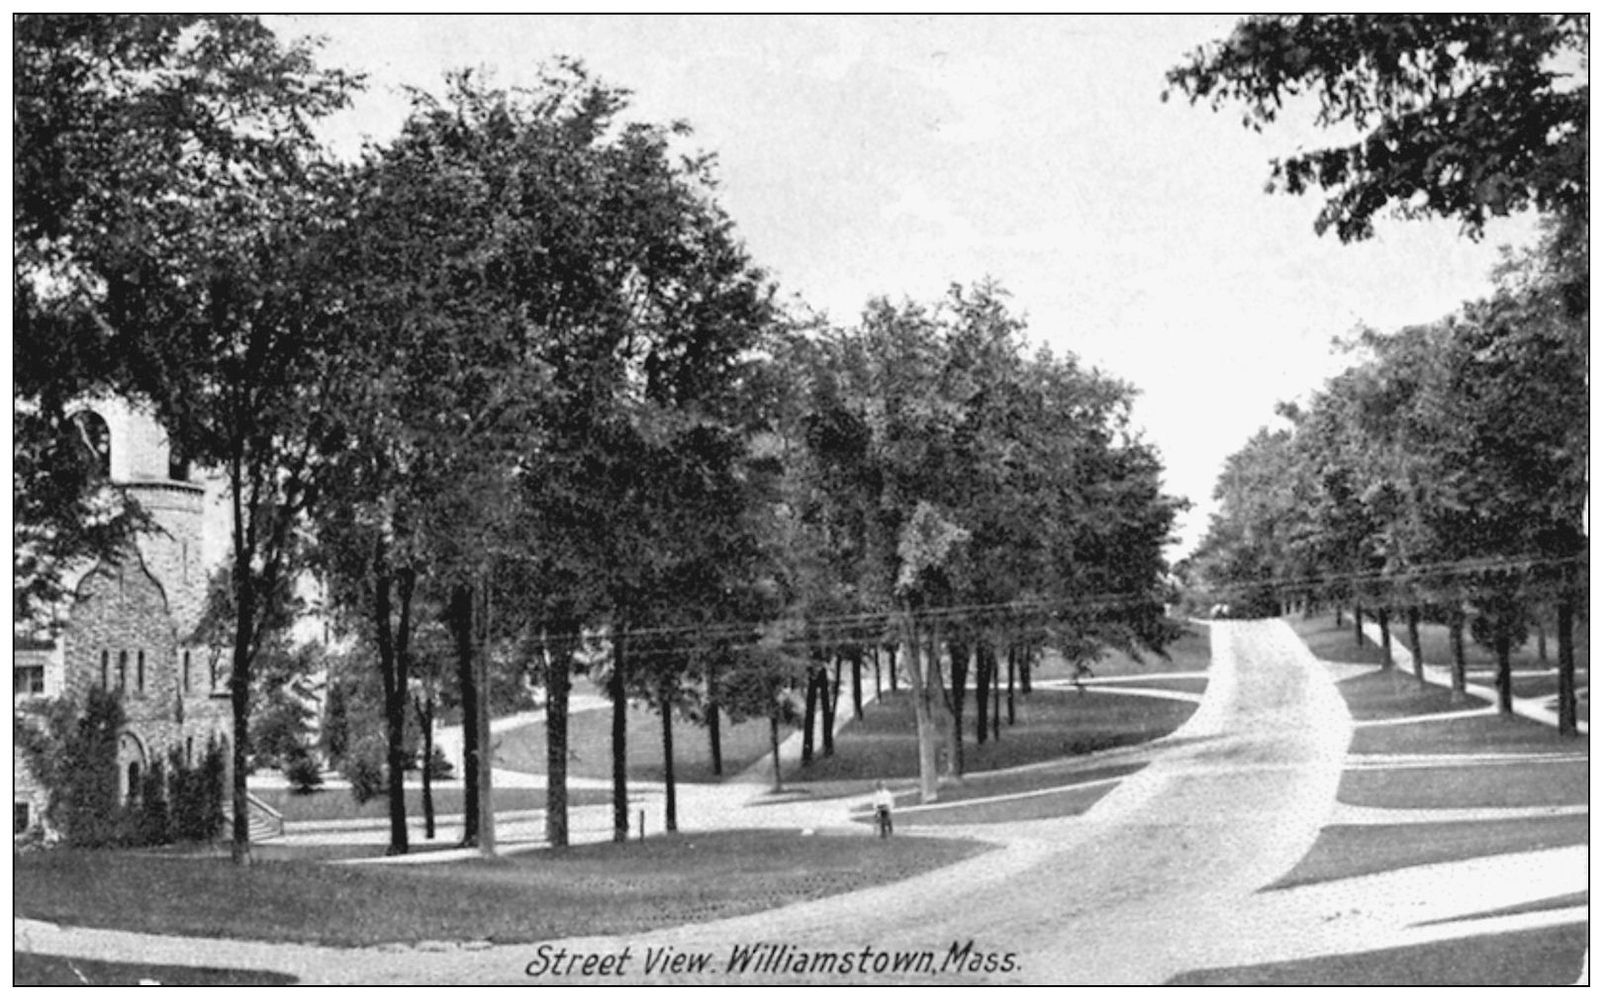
<point>1144,885</point>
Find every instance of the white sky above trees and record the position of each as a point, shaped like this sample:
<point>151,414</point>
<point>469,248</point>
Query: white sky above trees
<point>865,156</point>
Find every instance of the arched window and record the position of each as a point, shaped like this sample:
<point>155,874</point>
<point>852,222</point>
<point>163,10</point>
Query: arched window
<point>186,670</point>
<point>139,670</point>
<point>106,669</point>
<point>178,467</point>
<point>133,783</point>
<point>95,439</point>
<point>122,670</point>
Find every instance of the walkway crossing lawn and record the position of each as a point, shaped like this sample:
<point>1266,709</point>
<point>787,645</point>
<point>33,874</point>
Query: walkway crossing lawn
<point>61,971</point>
<point>604,889</point>
<point>1052,723</point>
<point>337,803</point>
<point>1549,956</point>
<point>1052,802</point>
<point>1182,684</point>
<point>1345,851</point>
<point>1019,795</point>
<point>524,749</point>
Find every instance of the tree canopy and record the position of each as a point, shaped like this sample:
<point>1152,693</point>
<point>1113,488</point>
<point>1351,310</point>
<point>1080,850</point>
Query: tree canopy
<point>1464,116</point>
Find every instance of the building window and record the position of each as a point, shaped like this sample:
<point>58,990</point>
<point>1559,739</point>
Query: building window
<point>27,680</point>
<point>186,670</point>
<point>122,670</point>
<point>133,783</point>
<point>139,670</point>
<point>178,467</point>
<point>189,750</point>
<point>106,669</point>
<point>19,817</point>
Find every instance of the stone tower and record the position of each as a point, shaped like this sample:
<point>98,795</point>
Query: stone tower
<point>131,622</point>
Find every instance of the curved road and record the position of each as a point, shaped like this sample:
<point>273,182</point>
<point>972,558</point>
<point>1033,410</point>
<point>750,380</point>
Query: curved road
<point>1144,885</point>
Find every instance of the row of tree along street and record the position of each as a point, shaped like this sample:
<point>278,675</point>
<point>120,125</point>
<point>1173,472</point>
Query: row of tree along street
<point>510,388</point>
<point>1444,474</point>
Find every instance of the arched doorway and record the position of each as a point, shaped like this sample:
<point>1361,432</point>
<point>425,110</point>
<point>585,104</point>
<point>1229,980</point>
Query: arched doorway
<point>130,766</point>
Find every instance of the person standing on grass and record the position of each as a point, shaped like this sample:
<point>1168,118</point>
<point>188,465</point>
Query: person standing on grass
<point>883,800</point>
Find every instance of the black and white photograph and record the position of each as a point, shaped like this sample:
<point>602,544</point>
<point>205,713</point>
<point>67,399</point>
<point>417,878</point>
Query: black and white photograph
<point>800,499</point>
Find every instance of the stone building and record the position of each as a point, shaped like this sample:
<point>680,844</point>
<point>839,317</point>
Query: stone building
<point>130,623</point>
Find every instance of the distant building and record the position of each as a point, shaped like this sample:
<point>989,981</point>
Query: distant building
<point>129,625</point>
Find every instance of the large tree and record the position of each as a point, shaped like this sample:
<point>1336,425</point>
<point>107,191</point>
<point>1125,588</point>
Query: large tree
<point>172,201</point>
<point>1464,116</point>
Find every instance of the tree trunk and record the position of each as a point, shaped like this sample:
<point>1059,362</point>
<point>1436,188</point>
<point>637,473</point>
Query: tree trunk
<point>393,651</point>
<point>622,810</point>
<point>1356,624</point>
<point>424,710</point>
<point>667,733</point>
<point>811,689</point>
<point>714,720</point>
<point>1454,627</point>
<point>776,750</point>
<point>994,675</point>
<point>1504,669</point>
<point>959,665</point>
<point>1386,659</point>
<point>829,698</point>
<point>240,684</point>
<point>488,817</point>
<point>856,662</point>
<point>1568,712</point>
<point>1339,616</point>
<point>985,674</point>
<point>460,610</point>
<point>560,658</point>
<point>1024,671</point>
<point>1413,642</point>
<point>1012,655</point>
<point>922,674</point>
<point>893,669</point>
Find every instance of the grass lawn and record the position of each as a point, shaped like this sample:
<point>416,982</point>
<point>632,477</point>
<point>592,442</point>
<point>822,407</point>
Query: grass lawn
<point>63,971</point>
<point>603,889</point>
<point>1485,733</point>
<point>1050,724</point>
<point>1379,695</point>
<point>1507,785</point>
<point>1550,956</point>
<point>1337,644</point>
<point>1190,653</point>
<point>525,748</point>
<point>337,803</point>
<point>1344,851</point>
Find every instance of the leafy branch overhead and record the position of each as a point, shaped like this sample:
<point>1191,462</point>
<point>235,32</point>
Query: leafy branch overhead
<point>1468,116</point>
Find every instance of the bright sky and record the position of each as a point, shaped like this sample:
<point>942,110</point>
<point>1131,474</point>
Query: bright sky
<point>865,156</point>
